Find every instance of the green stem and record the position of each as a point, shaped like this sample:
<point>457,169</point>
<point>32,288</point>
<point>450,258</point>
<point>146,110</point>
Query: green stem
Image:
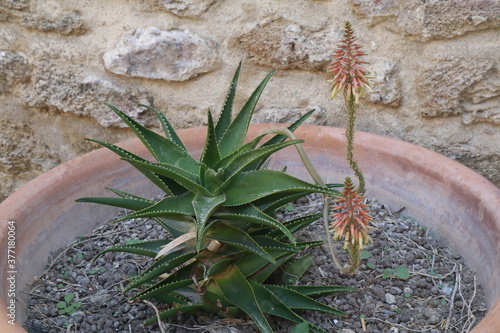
<point>351,119</point>
<point>302,153</point>
<point>319,181</point>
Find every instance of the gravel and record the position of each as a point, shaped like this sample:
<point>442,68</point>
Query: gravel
<point>440,295</point>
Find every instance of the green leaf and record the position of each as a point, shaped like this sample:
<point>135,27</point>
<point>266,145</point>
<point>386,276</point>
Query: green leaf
<point>296,300</point>
<point>227,160</point>
<point>145,248</point>
<point>72,309</point>
<point>173,298</point>
<point>255,155</point>
<point>251,214</point>
<point>203,208</point>
<point>237,290</point>
<point>300,328</point>
<point>217,267</point>
<point>163,149</point>
<point>264,273</point>
<point>163,265</point>
<point>261,183</point>
<point>69,297</point>
<point>298,223</point>
<point>387,273</point>
<point>402,272</point>
<point>185,178</point>
<point>61,305</point>
<point>273,245</point>
<point>127,203</point>
<point>279,138</point>
<point>163,287</point>
<point>167,127</point>
<point>295,270</point>
<point>210,155</point>
<point>176,208</point>
<point>167,185</point>
<point>251,263</point>
<point>271,304</point>
<point>271,203</point>
<point>237,237</point>
<point>123,194</point>
<point>235,134</point>
<point>365,255</point>
<point>225,115</point>
<point>175,228</point>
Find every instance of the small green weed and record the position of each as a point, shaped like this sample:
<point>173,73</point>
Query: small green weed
<point>68,307</point>
<point>400,272</point>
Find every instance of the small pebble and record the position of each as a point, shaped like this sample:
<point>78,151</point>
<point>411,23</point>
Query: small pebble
<point>390,299</point>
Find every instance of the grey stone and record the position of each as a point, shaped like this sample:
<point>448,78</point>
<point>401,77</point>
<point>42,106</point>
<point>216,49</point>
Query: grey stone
<point>14,68</point>
<point>446,290</point>
<point>469,88</point>
<point>427,315</point>
<point>69,23</point>
<point>431,19</point>
<point>287,115</point>
<point>386,84</point>
<point>277,42</point>
<point>33,16</point>
<point>14,4</point>
<point>21,152</point>
<point>185,8</point>
<point>390,298</point>
<point>395,290</point>
<point>68,90</point>
<point>173,55</point>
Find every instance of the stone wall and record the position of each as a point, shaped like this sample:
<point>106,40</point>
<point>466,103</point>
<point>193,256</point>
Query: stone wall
<point>435,63</point>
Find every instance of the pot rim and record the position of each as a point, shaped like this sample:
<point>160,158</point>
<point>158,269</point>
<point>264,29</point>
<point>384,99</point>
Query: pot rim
<point>457,184</point>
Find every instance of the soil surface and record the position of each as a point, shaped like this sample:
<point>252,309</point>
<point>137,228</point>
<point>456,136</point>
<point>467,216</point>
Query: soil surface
<point>440,295</point>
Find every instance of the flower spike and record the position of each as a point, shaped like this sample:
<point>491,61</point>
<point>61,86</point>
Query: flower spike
<point>350,76</point>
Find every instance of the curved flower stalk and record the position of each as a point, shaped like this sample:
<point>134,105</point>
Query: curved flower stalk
<point>352,79</point>
<point>351,216</point>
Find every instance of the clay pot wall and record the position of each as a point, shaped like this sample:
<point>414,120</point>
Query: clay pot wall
<point>435,66</point>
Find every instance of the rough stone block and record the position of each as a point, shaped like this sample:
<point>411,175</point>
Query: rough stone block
<point>277,42</point>
<point>431,19</point>
<point>469,88</point>
<point>68,90</point>
<point>34,16</point>
<point>386,84</point>
<point>152,53</point>
<point>288,115</point>
<point>21,152</point>
<point>185,8</point>
<point>14,68</point>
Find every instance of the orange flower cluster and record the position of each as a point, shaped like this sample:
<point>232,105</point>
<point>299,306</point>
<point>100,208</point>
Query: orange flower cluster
<point>351,217</point>
<point>350,76</point>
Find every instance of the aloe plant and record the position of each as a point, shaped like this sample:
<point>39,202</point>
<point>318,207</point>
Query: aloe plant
<point>228,253</point>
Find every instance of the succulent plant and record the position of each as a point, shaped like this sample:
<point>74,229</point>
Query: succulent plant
<point>228,253</point>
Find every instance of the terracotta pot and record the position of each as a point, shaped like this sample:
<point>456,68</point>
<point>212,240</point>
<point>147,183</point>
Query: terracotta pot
<point>457,204</point>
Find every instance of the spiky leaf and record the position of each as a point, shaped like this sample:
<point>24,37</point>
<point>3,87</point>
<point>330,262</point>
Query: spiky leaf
<point>237,290</point>
<point>235,134</point>
<point>261,183</point>
<point>237,237</point>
